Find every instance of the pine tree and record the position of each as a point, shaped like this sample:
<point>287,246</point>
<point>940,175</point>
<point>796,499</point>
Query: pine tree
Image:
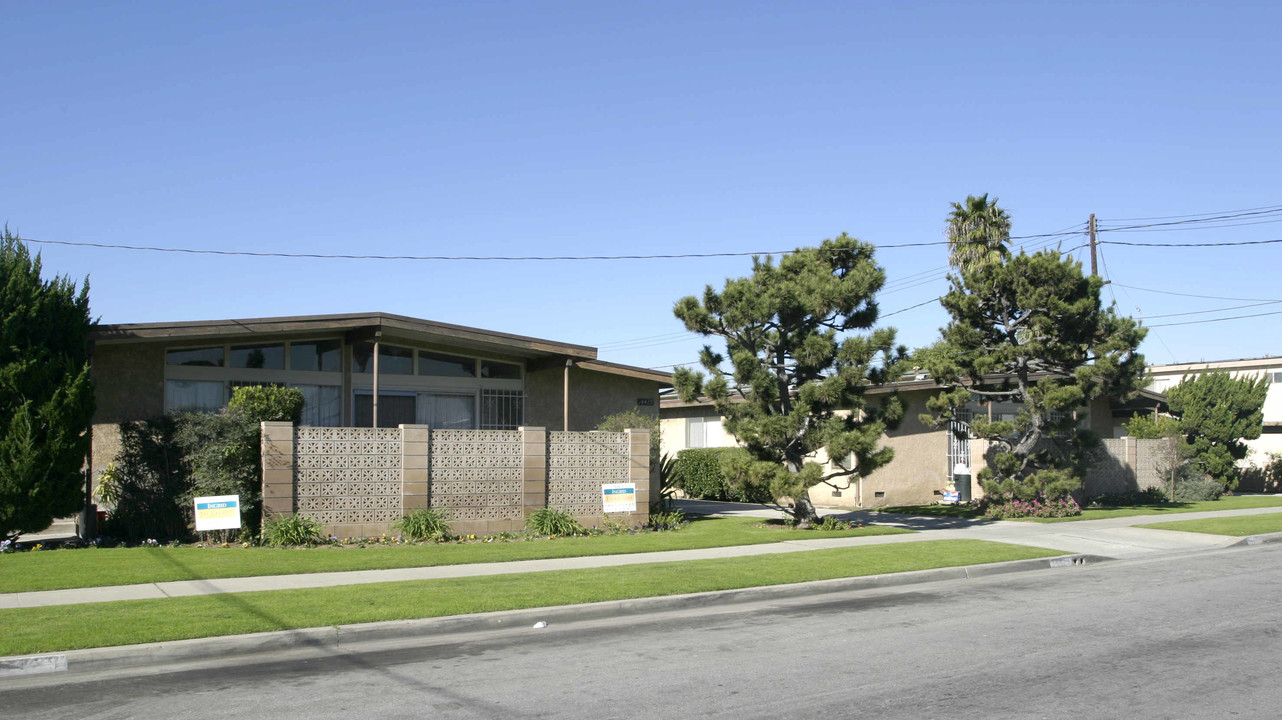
<point>46,394</point>
<point>794,366</point>
<point>1031,329</point>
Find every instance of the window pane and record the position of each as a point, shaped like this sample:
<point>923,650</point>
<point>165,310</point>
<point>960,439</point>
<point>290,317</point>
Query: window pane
<point>442,411</point>
<point>322,405</point>
<point>322,355</point>
<point>495,370</point>
<point>393,410</point>
<point>442,365</point>
<point>392,360</point>
<point>198,357</point>
<point>695,437</point>
<point>194,396</point>
<point>262,357</point>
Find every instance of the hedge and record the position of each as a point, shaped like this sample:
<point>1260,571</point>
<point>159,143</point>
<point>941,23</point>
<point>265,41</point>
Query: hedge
<point>697,472</point>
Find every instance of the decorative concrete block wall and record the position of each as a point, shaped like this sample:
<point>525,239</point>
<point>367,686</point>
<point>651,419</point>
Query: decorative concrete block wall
<point>359,481</point>
<point>1125,464</point>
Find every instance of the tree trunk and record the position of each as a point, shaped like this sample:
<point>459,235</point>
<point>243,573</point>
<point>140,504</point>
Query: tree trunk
<point>803,511</point>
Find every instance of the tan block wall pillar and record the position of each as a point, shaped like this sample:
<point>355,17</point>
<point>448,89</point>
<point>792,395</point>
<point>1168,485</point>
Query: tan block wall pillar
<point>639,472</point>
<point>416,443</point>
<point>279,462</point>
<point>534,469</point>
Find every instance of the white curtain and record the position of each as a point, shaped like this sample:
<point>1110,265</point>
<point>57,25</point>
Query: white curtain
<point>322,405</point>
<point>194,395</point>
<point>451,412</point>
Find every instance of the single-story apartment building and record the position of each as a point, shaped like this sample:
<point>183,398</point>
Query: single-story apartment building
<point>360,370</point>
<point>926,458</point>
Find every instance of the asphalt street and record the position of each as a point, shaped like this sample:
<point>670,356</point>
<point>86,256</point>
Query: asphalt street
<point>1168,636</point>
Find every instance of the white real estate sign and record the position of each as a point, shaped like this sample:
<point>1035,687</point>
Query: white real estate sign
<point>619,497</point>
<point>218,512</point>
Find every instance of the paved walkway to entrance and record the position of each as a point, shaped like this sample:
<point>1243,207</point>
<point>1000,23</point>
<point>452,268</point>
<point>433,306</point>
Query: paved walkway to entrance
<point>1113,537</point>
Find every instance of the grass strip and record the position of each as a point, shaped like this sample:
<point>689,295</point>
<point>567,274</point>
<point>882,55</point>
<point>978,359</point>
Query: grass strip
<point>1239,526</point>
<point>97,567</point>
<point>1235,502</point>
<point>68,627</point>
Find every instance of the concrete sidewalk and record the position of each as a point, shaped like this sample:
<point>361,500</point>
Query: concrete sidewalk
<point>1112,537</point>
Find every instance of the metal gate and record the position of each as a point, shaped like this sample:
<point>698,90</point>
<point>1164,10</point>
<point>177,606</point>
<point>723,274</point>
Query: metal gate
<point>959,452</point>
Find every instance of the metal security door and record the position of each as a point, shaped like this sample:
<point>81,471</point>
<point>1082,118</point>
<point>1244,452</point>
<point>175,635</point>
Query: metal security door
<point>959,453</point>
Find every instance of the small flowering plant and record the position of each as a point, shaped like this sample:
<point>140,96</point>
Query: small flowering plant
<point>1036,508</point>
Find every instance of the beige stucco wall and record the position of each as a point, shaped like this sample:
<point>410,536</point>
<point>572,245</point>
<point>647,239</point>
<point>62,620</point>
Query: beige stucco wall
<point>129,384</point>
<point>919,469</point>
<point>593,396</point>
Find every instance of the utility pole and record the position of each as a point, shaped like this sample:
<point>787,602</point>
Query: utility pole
<point>1091,226</point>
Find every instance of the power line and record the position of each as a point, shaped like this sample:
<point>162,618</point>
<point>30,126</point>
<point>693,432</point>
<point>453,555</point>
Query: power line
<point>479,258</point>
<point>1234,317</point>
<point>1191,245</point>
<point>1203,312</point>
<point>1203,297</point>
<point>1193,215</point>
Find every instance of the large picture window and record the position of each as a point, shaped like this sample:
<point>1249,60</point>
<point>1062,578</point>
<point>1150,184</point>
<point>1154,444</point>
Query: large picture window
<point>322,405</point>
<point>393,410</point>
<point>316,356</point>
<point>447,411</point>
<point>194,396</point>
<point>260,357</point>
<point>196,357</point>
<point>392,359</point>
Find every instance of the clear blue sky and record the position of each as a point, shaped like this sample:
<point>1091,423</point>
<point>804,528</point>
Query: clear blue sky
<point>593,128</point>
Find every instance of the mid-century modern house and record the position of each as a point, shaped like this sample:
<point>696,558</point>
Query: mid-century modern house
<point>927,458</point>
<point>361,370</point>
<point>1270,441</point>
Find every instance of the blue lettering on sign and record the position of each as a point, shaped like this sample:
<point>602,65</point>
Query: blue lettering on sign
<point>619,491</point>
<point>214,506</point>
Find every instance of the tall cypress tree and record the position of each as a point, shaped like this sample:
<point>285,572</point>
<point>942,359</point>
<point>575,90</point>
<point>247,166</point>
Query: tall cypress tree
<point>46,395</point>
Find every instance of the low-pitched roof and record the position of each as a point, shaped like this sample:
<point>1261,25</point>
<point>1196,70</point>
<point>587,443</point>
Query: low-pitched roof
<point>390,325</point>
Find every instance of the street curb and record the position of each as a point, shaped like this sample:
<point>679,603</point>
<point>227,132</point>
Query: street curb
<point>334,638</point>
<point>1264,539</point>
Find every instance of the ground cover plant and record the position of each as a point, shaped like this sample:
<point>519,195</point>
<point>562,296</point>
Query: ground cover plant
<point>1239,526</point>
<point>93,567</point>
<point>47,629</point>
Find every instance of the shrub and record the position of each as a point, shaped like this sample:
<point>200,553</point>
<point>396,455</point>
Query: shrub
<point>1147,496</point>
<point>425,524</point>
<point>1063,507</point>
<point>700,473</point>
<point>831,522</point>
<point>668,520</point>
<point>282,530</point>
<point>271,403</point>
<point>551,521</point>
<point>1198,489</point>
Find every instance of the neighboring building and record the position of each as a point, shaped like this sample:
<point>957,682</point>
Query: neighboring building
<point>1270,441</point>
<point>424,372</point>
<point>925,457</point>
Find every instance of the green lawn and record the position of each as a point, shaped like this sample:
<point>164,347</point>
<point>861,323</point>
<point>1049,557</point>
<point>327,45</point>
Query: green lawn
<point>66,627</point>
<point>1225,503</point>
<point>1239,526</point>
<point>59,569</point>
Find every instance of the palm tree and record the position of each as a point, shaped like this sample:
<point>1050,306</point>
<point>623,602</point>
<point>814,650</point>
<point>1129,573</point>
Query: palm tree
<point>978,233</point>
